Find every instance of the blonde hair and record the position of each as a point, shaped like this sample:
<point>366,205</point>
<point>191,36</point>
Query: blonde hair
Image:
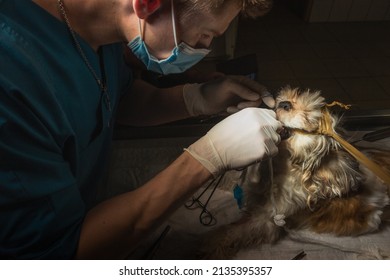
<point>249,8</point>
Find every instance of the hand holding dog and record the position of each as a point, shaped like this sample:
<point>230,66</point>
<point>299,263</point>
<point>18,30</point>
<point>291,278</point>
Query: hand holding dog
<point>239,140</point>
<point>225,94</point>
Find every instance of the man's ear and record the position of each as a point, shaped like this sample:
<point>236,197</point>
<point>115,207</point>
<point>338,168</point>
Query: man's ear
<point>144,8</point>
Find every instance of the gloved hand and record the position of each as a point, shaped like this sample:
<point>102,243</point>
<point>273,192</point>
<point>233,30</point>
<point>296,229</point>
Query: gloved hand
<point>239,140</point>
<point>227,93</point>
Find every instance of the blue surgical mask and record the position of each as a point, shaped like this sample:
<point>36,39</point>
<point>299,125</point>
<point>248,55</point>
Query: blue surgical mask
<point>182,57</point>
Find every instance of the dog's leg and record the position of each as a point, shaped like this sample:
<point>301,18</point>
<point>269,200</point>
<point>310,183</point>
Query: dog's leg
<point>250,231</point>
<point>353,215</point>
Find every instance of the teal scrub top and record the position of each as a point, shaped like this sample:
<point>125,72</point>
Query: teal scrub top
<point>54,133</point>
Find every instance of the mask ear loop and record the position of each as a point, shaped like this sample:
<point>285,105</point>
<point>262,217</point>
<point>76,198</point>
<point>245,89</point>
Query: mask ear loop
<point>203,51</point>
<point>173,23</point>
<point>140,30</point>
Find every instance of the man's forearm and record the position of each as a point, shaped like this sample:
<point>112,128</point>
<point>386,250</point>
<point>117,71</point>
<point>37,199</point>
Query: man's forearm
<point>113,228</point>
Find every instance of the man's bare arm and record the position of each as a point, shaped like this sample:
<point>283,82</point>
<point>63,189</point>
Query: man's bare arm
<point>114,227</point>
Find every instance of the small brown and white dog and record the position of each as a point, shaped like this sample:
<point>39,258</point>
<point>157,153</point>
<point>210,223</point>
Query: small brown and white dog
<point>313,183</point>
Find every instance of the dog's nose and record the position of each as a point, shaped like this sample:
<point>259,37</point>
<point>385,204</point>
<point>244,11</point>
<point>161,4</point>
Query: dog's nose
<point>285,105</point>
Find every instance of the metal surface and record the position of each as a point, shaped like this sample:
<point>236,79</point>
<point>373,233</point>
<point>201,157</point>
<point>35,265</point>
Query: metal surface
<point>366,120</point>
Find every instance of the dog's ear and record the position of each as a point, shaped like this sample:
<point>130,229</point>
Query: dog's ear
<point>337,175</point>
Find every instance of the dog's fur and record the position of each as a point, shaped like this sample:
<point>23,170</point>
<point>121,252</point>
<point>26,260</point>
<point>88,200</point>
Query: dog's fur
<point>315,185</point>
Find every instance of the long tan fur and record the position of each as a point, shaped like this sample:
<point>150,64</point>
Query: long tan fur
<point>315,185</point>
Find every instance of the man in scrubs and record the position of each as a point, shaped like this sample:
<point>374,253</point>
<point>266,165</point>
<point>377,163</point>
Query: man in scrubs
<point>63,85</point>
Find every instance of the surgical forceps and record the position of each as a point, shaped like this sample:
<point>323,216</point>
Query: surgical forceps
<point>205,217</point>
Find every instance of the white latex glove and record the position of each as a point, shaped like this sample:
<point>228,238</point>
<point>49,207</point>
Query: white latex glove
<point>238,141</point>
<point>226,94</point>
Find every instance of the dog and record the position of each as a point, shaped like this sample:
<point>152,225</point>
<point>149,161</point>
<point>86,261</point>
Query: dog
<point>312,183</point>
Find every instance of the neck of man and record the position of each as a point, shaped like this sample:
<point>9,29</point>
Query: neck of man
<point>94,21</point>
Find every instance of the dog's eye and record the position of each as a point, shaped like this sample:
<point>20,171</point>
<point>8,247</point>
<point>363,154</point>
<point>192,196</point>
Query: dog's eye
<point>285,105</point>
